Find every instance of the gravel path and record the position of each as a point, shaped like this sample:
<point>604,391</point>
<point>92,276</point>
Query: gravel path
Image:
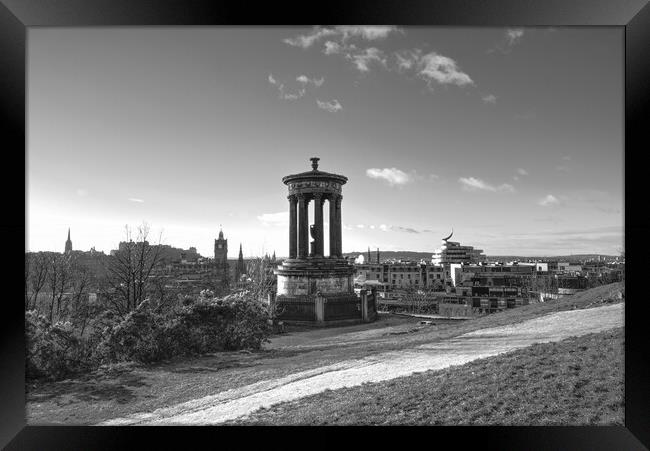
<point>479,344</point>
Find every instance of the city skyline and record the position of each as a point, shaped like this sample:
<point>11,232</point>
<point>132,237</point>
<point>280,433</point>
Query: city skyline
<point>512,137</point>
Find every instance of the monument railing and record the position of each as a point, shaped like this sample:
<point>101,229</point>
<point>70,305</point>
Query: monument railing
<point>300,309</point>
<point>341,308</point>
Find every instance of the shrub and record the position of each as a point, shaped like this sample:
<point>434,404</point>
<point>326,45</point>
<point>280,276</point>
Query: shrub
<point>52,349</point>
<point>146,335</point>
<point>208,325</point>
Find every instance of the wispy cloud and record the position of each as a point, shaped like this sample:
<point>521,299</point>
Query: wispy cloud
<point>135,199</point>
<point>341,33</point>
<point>522,171</point>
<point>443,70</point>
<point>490,98</point>
<point>332,48</point>
<point>511,37</point>
<point>305,80</point>
<point>562,168</point>
<point>274,219</point>
<point>475,184</point>
<point>393,176</point>
<point>348,42</point>
<point>407,59</point>
<point>363,59</point>
<point>386,228</point>
<point>81,192</point>
<point>514,35</point>
<point>281,91</point>
<point>332,106</point>
<point>548,201</point>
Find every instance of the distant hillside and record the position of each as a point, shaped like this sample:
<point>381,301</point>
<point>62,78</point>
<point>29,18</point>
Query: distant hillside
<point>386,255</point>
<point>417,256</point>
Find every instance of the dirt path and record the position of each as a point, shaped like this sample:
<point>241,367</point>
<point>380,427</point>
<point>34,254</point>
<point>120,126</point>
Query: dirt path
<point>482,343</point>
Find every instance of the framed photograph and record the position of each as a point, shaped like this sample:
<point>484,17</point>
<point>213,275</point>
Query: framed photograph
<point>422,215</point>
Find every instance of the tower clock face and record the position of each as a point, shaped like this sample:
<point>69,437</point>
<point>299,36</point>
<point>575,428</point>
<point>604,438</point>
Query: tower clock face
<point>220,246</point>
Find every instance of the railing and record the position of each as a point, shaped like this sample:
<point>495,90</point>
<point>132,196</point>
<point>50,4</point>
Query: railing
<point>344,309</point>
<point>295,310</point>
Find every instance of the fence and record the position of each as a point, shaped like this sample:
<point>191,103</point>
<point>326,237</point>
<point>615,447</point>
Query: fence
<point>302,309</point>
<point>338,309</point>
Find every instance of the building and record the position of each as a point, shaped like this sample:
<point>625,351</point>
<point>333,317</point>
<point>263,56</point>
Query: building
<point>452,252</point>
<point>399,276</point>
<point>68,243</point>
<point>313,286</point>
<point>240,269</point>
<point>221,249</point>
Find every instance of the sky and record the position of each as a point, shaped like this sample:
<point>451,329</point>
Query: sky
<point>512,137</point>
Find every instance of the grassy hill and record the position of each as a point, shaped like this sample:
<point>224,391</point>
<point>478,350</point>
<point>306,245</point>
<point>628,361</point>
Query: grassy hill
<point>578,381</point>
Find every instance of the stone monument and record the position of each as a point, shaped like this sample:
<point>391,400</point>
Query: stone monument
<point>313,287</point>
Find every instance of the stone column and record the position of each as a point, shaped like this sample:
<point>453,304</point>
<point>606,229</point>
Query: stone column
<point>293,227</point>
<point>319,307</point>
<point>318,221</point>
<point>339,235</point>
<point>364,305</point>
<point>332,201</point>
<point>303,227</point>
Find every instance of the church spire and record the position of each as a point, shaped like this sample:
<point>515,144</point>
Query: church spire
<point>68,243</point>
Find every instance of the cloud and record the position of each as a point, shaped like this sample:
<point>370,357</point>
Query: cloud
<point>474,184</point>
<point>134,199</point>
<point>290,95</point>
<point>522,171</point>
<point>274,219</point>
<point>342,33</point>
<point>363,59</point>
<point>443,70</point>
<point>407,59</point>
<point>403,229</point>
<point>306,80</point>
<point>490,98</point>
<point>307,40</point>
<point>549,201</point>
<point>387,228</point>
<point>393,176</point>
<point>331,48</point>
<point>369,33</point>
<point>566,157</point>
<point>332,106</point>
<point>82,192</point>
<point>562,168</point>
<point>513,35</point>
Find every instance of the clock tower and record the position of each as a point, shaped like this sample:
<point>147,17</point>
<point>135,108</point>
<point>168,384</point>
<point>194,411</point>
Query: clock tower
<point>221,250</point>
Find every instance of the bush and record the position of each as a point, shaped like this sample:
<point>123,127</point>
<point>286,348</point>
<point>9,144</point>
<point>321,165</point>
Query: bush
<point>208,325</point>
<point>52,349</point>
<point>146,335</point>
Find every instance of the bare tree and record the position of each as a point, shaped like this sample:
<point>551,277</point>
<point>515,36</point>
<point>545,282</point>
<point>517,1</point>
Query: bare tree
<point>59,277</point>
<point>261,280</point>
<point>130,270</point>
<point>36,274</point>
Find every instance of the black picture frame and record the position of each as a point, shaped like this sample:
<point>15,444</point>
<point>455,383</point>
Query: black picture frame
<point>16,16</point>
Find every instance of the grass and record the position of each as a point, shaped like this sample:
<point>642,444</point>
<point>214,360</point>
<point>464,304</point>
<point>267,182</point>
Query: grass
<point>131,388</point>
<point>578,381</point>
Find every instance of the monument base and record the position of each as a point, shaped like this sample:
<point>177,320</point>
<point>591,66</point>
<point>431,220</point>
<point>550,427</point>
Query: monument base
<point>317,290</point>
